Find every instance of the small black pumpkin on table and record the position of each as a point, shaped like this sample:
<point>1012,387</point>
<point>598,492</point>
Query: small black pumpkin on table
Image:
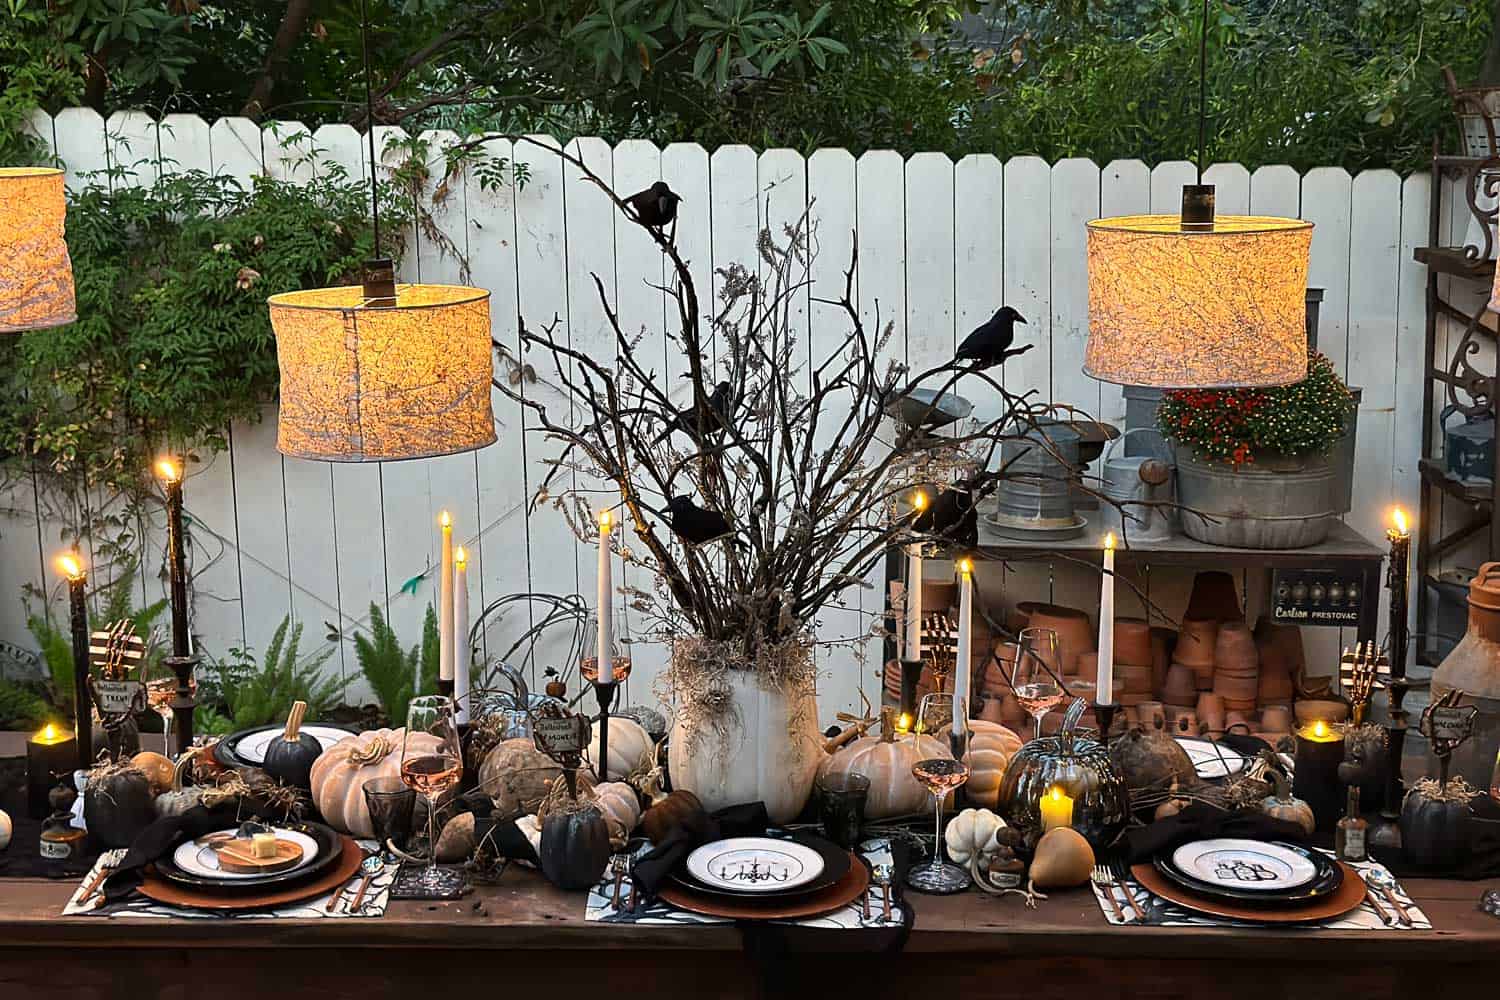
<point>1437,826</point>
<point>290,757</point>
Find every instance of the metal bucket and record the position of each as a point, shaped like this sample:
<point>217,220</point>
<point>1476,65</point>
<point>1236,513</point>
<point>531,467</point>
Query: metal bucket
<point>1257,507</point>
<point>1035,495</point>
<point>1123,483</point>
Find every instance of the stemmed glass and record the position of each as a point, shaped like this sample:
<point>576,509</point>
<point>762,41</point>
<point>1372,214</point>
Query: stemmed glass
<point>1037,686</point>
<point>431,771</point>
<point>161,689</point>
<point>939,775</point>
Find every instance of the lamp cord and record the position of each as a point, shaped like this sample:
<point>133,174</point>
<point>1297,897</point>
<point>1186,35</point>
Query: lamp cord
<point>364,44</point>
<point>1202,89</point>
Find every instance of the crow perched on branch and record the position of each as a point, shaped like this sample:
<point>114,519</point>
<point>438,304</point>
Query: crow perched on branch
<point>989,344</point>
<point>656,206</point>
<point>692,421</point>
<point>697,525</point>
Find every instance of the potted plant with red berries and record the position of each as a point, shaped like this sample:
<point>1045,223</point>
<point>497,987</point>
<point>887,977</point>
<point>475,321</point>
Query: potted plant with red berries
<point>1253,465</point>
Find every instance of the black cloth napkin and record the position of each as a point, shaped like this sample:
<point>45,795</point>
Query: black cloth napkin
<point>161,838</point>
<point>1200,821</point>
<point>693,831</point>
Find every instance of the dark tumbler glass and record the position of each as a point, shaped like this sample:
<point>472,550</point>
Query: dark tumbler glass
<point>391,804</point>
<point>841,807</point>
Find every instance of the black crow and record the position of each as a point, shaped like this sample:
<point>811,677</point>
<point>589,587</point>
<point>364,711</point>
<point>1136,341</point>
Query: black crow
<point>989,344</point>
<point>656,206</point>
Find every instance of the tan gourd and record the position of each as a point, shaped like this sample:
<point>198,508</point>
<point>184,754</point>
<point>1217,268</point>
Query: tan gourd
<point>887,760</point>
<point>1063,859</point>
<point>991,746</point>
<point>339,775</point>
<point>516,776</point>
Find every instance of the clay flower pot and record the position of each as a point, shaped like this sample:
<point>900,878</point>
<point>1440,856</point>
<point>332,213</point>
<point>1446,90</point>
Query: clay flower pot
<point>1214,597</point>
<point>1276,719</point>
<point>1183,722</point>
<point>1133,642</point>
<point>1179,688</point>
<point>1088,668</point>
<point>1152,715</point>
<point>1236,667</point>
<point>1310,710</point>
<point>1210,711</point>
<point>995,680</point>
<point>1132,684</point>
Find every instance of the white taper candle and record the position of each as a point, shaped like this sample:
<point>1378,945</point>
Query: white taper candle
<point>1105,694</point>
<point>445,601</point>
<point>964,656</point>
<point>462,652</point>
<point>606,588</point>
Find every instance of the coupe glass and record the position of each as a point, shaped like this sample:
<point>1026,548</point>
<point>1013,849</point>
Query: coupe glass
<point>939,775</point>
<point>1037,685</point>
<point>432,771</point>
<point>161,689</point>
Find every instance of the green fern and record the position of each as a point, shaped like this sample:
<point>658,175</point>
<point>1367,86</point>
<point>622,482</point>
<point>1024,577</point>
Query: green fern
<point>56,650</point>
<point>21,707</point>
<point>255,695</point>
<point>391,671</point>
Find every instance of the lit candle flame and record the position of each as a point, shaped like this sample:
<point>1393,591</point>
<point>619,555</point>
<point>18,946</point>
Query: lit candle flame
<point>1320,729</point>
<point>445,519</point>
<point>966,565</point>
<point>460,557</point>
<point>1055,794</point>
<point>49,733</point>
<point>70,567</point>
<point>903,724</point>
<point>604,520</point>
<point>167,470</point>
<point>919,501</point>
<point>1399,516</point>
<point>1109,540</point>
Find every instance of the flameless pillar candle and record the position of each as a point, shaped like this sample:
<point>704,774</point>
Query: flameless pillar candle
<point>1106,688</point>
<point>51,755</point>
<point>1056,808</point>
<point>461,634</point>
<point>961,665</point>
<point>1320,750</point>
<point>446,647</point>
<point>604,661</point>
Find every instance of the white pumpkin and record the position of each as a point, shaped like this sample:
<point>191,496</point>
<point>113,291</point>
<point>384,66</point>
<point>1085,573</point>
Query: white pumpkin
<point>886,760</point>
<point>991,746</point>
<point>971,836</point>
<point>340,773</point>
<point>629,746</point>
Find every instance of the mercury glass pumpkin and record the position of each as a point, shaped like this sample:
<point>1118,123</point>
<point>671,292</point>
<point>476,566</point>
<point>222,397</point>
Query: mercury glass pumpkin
<point>1082,768</point>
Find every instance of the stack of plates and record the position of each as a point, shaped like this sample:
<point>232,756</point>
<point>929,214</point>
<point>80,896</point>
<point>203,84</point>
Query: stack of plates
<point>762,878</point>
<point>191,875</point>
<point>247,748</point>
<point>1261,882</point>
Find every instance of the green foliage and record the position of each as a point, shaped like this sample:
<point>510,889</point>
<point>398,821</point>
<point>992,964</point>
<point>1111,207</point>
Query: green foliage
<point>173,339</point>
<point>21,707</point>
<point>1238,425</point>
<point>391,672</point>
<point>38,69</point>
<point>238,693</point>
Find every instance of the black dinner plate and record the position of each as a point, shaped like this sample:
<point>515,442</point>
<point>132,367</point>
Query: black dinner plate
<point>224,750</point>
<point>1325,881</point>
<point>330,845</point>
<point>836,863</point>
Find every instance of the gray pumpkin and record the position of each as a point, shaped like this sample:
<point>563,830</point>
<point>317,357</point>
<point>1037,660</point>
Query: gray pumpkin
<point>1436,829</point>
<point>117,807</point>
<point>574,848</point>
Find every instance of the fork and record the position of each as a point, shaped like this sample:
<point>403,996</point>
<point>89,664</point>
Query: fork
<point>1122,878</point>
<point>1104,880</point>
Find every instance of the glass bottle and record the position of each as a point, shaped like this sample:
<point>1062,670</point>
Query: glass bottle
<point>1349,835</point>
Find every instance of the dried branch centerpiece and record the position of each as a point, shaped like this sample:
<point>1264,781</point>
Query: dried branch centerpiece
<point>760,486</point>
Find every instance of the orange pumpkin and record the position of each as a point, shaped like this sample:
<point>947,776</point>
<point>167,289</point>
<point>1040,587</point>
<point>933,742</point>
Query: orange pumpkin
<point>991,747</point>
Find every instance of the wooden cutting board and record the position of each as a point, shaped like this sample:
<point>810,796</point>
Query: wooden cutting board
<point>238,856</point>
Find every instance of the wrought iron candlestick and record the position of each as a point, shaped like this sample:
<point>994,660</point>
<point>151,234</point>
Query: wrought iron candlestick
<point>1105,716</point>
<point>182,661</point>
<point>604,695</point>
<point>83,716</point>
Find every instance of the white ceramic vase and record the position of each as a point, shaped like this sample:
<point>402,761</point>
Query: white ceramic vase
<point>771,753</point>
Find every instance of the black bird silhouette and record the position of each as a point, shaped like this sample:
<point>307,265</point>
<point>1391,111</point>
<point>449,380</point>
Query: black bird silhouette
<point>656,206</point>
<point>989,344</point>
<point>714,418</point>
<point>696,525</point>
<point>952,514</point>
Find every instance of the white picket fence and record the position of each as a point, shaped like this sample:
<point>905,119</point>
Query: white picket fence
<point>942,244</point>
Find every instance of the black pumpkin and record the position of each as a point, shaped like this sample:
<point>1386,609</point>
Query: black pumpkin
<point>291,761</point>
<point>117,806</point>
<point>1435,827</point>
<point>575,848</point>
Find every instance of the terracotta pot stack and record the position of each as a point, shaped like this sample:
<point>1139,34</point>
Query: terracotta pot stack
<point>1134,659</point>
<point>1236,677</point>
<point>1280,651</point>
<point>1196,645</point>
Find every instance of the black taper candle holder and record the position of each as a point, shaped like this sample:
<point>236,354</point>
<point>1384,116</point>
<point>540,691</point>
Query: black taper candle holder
<point>604,694</point>
<point>184,701</point>
<point>911,675</point>
<point>1105,716</point>
<point>83,715</point>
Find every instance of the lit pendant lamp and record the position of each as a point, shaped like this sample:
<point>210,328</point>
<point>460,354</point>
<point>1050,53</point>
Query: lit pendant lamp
<point>36,276</point>
<point>1197,300</point>
<point>382,372</point>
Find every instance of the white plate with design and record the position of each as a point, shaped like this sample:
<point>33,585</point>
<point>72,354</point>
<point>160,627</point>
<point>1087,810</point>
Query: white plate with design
<point>196,859</point>
<point>754,864</point>
<point>1246,865</point>
<point>1212,760</point>
<point>252,749</point>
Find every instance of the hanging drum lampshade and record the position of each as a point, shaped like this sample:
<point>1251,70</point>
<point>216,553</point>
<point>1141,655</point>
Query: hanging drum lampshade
<point>36,277</point>
<point>1195,301</point>
<point>373,377</point>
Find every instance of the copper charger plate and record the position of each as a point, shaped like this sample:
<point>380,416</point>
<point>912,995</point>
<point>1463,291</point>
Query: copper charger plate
<point>153,886</point>
<point>1350,894</point>
<point>843,892</point>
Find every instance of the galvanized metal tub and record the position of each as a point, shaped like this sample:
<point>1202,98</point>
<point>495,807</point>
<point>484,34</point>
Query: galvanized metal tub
<point>1040,465</point>
<point>1275,503</point>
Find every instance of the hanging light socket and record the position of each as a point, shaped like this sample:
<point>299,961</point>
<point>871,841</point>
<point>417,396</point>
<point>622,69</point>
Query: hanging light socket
<point>1197,208</point>
<point>380,283</point>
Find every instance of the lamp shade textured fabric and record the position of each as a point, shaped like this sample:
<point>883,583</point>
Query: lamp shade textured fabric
<point>364,383</point>
<point>36,276</point>
<point>1213,308</point>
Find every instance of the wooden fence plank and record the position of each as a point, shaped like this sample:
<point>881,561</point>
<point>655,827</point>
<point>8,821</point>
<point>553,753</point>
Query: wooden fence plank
<point>1074,202</point>
<point>1028,271</point>
<point>1326,194</point>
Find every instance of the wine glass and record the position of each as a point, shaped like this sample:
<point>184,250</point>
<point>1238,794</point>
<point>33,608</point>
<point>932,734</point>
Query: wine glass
<point>161,689</point>
<point>1037,685</point>
<point>939,775</point>
<point>431,771</point>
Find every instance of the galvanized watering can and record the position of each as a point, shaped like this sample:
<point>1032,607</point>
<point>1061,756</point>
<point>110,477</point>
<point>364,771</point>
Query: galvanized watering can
<point>1138,482</point>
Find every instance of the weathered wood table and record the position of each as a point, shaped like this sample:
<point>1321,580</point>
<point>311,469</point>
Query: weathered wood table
<point>534,936</point>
